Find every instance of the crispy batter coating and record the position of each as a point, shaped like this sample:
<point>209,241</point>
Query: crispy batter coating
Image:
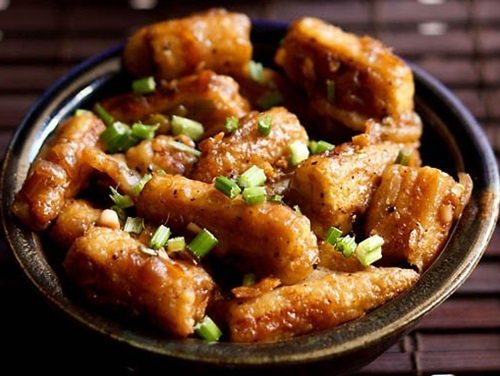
<point>205,97</point>
<point>235,153</point>
<point>321,302</point>
<point>265,239</point>
<point>330,258</point>
<point>109,266</point>
<point>58,172</point>
<point>413,210</point>
<point>334,188</point>
<point>369,80</point>
<point>215,39</point>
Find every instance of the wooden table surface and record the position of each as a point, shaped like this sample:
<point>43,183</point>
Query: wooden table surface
<point>456,40</point>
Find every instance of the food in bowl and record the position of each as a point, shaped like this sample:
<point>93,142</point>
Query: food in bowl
<point>199,200</point>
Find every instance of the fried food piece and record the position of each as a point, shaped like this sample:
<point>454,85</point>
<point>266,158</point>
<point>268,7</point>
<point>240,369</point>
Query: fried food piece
<point>205,97</point>
<point>110,267</point>
<point>58,172</point>
<point>413,210</point>
<point>76,217</point>
<point>215,39</point>
<point>348,78</point>
<point>334,188</point>
<point>265,239</point>
<point>235,153</point>
<point>330,258</point>
<point>261,287</point>
<point>321,302</point>
<point>158,154</point>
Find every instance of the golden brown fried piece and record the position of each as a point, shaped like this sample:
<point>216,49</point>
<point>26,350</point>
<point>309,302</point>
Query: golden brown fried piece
<point>334,188</point>
<point>76,217</point>
<point>158,154</point>
<point>235,153</point>
<point>265,239</point>
<point>413,210</point>
<point>348,78</point>
<point>321,302</point>
<point>215,39</point>
<point>109,266</point>
<point>332,259</point>
<point>58,172</point>
<point>205,97</point>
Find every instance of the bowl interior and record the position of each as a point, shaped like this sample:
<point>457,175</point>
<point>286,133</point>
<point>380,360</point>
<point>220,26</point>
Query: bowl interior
<point>452,141</point>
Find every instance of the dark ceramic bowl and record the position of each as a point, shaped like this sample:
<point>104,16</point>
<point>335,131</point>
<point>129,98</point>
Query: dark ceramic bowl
<point>452,141</point>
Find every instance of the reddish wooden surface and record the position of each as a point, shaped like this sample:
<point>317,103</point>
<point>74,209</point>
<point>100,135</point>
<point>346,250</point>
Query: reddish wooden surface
<point>40,40</point>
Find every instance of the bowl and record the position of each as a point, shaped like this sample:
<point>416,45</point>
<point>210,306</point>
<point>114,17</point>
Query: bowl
<point>452,141</point>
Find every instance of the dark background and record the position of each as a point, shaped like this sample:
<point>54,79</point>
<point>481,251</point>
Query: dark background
<point>458,41</point>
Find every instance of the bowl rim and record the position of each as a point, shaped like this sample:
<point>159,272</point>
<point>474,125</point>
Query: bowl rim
<point>328,344</point>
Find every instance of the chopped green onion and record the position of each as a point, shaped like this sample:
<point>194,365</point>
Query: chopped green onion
<point>139,186</point>
<point>318,147</point>
<point>346,245</point>
<point>121,201</point>
<point>207,330</point>
<point>144,85</point>
<point>203,243</point>
<point>254,195</point>
<point>296,208</point>
<point>80,112</point>
<point>232,124</point>
<point>264,125</point>
<point>333,234</point>
<point>253,177</point>
<point>134,225</point>
<point>227,186</point>
<point>370,250</point>
<point>161,172</point>
<point>256,71</point>
<point>105,116</point>
<point>176,244</point>
<point>148,251</point>
<point>249,279</point>
<point>371,257</point>
<point>188,127</point>
<point>277,199</point>
<point>180,146</point>
<point>117,137</point>
<point>270,99</point>
<point>121,213</point>
<point>160,237</point>
<point>299,152</point>
<point>403,158</point>
<point>143,131</point>
<point>330,90</point>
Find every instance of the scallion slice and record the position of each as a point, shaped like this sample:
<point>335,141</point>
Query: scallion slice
<point>117,137</point>
<point>232,124</point>
<point>277,199</point>
<point>207,330</point>
<point>330,90</point>
<point>121,201</point>
<point>144,85</point>
<point>333,234</point>
<point>134,225</point>
<point>180,146</point>
<point>202,243</point>
<point>318,147</point>
<point>160,237</point>
<point>254,195</point>
<point>270,99</point>
<point>139,186</point>
<point>296,208</point>
<point>264,125</point>
<point>188,127</point>
<point>371,257</point>
<point>403,157</point>
<point>249,279</point>
<point>105,116</point>
<point>298,152</point>
<point>81,112</point>
<point>256,71</point>
<point>370,250</point>
<point>227,186</point>
<point>346,245</point>
<point>121,213</point>
<point>176,244</point>
<point>143,131</point>
<point>253,177</point>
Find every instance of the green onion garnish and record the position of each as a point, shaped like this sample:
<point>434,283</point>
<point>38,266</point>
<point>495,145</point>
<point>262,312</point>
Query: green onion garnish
<point>203,243</point>
<point>188,127</point>
<point>160,237</point>
<point>134,225</point>
<point>139,186</point>
<point>370,250</point>
<point>371,257</point>
<point>256,71</point>
<point>403,158</point>
<point>144,85</point>
<point>253,177</point>
<point>277,199</point>
<point>143,131</point>
<point>121,213</point>
<point>121,201</point>
<point>105,116</point>
<point>298,152</point>
<point>330,90</point>
<point>80,112</point>
<point>254,195</point>
<point>296,208</point>
<point>227,186</point>
<point>270,99</point>
<point>249,279</point>
<point>264,125</point>
<point>232,124</point>
<point>176,244</point>
<point>207,330</point>
<point>332,236</point>
<point>180,146</point>
<point>318,147</point>
<point>117,137</point>
<point>346,245</point>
